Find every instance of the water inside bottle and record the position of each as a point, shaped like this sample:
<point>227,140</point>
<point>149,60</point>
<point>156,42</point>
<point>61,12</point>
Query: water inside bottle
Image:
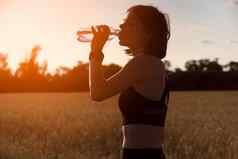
<point>86,35</point>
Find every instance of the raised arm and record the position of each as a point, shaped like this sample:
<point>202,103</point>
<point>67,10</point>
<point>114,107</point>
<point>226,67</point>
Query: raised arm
<point>101,88</point>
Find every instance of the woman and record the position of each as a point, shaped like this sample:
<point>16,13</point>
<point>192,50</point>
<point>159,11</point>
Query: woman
<point>142,81</point>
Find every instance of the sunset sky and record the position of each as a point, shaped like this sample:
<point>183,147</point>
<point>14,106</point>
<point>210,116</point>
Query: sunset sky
<point>199,29</point>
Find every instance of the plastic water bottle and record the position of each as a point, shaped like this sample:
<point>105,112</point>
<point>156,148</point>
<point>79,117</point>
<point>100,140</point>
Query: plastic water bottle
<point>86,34</point>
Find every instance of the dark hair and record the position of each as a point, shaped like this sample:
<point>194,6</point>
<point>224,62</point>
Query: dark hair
<point>157,23</point>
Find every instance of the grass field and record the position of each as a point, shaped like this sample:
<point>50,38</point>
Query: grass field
<point>199,125</point>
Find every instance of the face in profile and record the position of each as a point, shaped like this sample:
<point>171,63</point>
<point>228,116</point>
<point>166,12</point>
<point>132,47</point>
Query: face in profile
<point>132,32</point>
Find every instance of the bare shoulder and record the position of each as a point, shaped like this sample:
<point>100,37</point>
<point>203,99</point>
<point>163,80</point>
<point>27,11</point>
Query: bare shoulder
<point>146,62</point>
<point>144,67</point>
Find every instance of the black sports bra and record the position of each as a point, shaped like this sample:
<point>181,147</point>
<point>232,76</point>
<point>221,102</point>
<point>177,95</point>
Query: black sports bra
<point>138,109</point>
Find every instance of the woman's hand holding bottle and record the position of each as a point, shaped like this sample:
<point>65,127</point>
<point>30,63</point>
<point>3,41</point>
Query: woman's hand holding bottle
<point>100,36</point>
<point>97,36</point>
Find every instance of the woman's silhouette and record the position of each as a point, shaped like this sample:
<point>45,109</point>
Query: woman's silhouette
<point>142,82</point>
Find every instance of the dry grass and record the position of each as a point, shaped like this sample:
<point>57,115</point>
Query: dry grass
<point>200,125</point>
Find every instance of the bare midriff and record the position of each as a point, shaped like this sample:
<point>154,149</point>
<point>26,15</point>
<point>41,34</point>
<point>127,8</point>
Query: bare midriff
<point>142,136</point>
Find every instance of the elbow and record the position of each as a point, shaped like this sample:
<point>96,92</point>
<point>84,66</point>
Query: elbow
<point>96,96</point>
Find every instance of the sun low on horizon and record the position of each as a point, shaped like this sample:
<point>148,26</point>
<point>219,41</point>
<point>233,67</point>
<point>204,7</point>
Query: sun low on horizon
<point>196,29</point>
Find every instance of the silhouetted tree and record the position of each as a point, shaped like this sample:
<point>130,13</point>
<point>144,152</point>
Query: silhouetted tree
<point>192,66</point>
<point>30,73</point>
<point>178,70</point>
<point>202,74</point>
<point>232,66</point>
<point>5,74</point>
<point>29,68</point>
<point>62,70</point>
<point>203,65</point>
<point>214,66</point>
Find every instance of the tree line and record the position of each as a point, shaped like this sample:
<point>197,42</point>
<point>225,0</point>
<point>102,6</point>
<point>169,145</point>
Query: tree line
<point>31,76</point>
